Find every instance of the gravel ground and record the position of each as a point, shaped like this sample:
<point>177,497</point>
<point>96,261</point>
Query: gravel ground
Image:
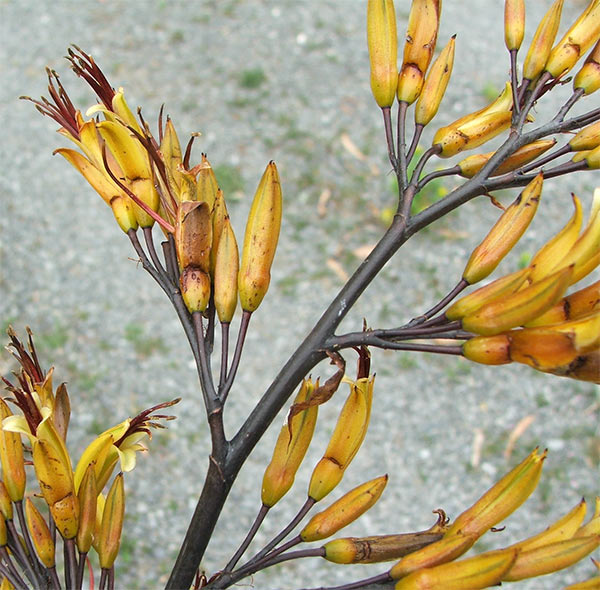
<point>286,81</point>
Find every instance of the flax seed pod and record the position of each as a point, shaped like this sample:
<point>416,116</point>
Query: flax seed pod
<point>514,23</point>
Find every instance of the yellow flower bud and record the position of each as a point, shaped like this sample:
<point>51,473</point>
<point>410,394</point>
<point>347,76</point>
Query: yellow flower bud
<point>382,41</point>
<point>5,503</point>
<point>112,524</point>
<point>11,456</point>
<point>514,23</point>
<point>226,274</point>
<point>207,183</point>
<point>588,77</point>
<point>40,534</point>
<point>88,494</point>
<point>586,139</point>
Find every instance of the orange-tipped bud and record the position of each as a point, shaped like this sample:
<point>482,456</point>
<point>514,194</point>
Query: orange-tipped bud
<point>260,240</point>
<point>207,185</point>
<point>290,449</point>
<point>11,456</point>
<point>5,503</point>
<point>592,527</point>
<point>435,85</point>
<point>344,511</point>
<point>195,289</point>
<point>541,46</point>
<point>345,441</point>
<point>56,482</point>
<point>588,77</point>
<point>587,139</point>
<point>514,23</point>
<point>572,307</point>
<point>382,41</point>
<point>551,558</point>
<point>501,287</point>
<point>421,37</point>
<point>488,350</point>
<point>519,308</point>
<point>502,499</point>
<point>88,494</point>
<point>226,274</point>
<point>505,233</point>
<point>481,571</point>
<point>473,164</point>
<point>377,548</point>
<point>576,41</point>
<point>40,534</point>
<point>112,523</point>
<point>442,551</point>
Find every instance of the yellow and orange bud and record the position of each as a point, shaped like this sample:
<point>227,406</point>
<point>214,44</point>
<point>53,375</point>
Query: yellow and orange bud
<point>170,150</point>
<point>11,456</point>
<point>55,476</point>
<point>112,524</point>
<point>519,308</point>
<point>345,441</point>
<point>193,235</point>
<point>226,274</point>
<point>571,307</point>
<point>514,23</point>
<point>488,350</point>
<point>260,240</point>
<point>378,548</point>
<point>344,511</point>
<point>588,77</point>
<point>551,558</point>
<point>382,41</point>
<point>505,233</point>
<point>442,551</point>
<point>421,37</point>
<point>592,158</point>
<point>469,304</point>
<point>435,85</point>
<point>592,527</point>
<point>576,41</point>
<point>585,367</point>
<point>541,46</point>
<point>61,412</point>
<point>40,534</point>
<point>290,449</point>
<point>502,499</point>
<point>88,494</point>
<point>195,289</point>
<point>207,185</point>
<point>122,208</point>
<point>586,139</point>
<point>471,165</point>
<point>5,503</point>
<point>481,571</point>
<point>219,214</point>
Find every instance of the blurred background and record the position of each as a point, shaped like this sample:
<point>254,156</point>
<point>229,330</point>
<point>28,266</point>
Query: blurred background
<point>287,81</point>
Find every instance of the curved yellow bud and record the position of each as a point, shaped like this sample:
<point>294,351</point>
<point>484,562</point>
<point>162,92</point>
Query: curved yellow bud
<point>344,511</point>
<point>345,441</point>
<point>588,77</point>
<point>290,449</point>
<point>435,85</point>
<point>260,240</point>
<point>109,540</point>
<point>421,37</point>
<point>576,41</point>
<point>382,42</point>
<point>505,233</point>
<point>40,534</point>
<point>488,350</point>
<point>541,46</point>
<point>207,185</point>
<point>170,150</point>
<point>586,139</point>
<point>88,502</point>
<point>514,23</point>
<point>12,459</point>
<point>226,274</point>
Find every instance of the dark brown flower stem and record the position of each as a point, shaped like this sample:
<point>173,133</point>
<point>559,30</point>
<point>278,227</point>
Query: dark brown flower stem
<point>154,273</point>
<point>103,579</point>
<point>389,136</point>
<point>535,94</point>
<point>210,330</point>
<point>70,564</point>
<point>401,170</point>
<point>565,149</point>
<point>237,355</point>
<point>19,553</point>
<point>301,553</point>
<point>10,576</point>
<point>170,262</point>
<point>80,570</point>
<point>461,286</point>
<point>262,513</point>
<point>572,100</point>
<point>414,143</point>
<point>39,569</point>
<point>55,582</point>
<point>11,571</point>
<point>152,251</point>
<point>514,82</point>
<point>111,578</point>
<point>365,583</point>
<point>208,385</point>
<point>224,354</point>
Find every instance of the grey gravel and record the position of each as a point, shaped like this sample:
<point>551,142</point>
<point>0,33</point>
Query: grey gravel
<point>69,273</point>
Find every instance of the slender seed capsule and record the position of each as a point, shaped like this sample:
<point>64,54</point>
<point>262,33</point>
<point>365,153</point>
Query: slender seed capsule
<point>576,41</point>
<point>290,449</point>
<point>170,150</point>
<point>218,215</point>
<point>344,511</point>
<point>345,441</point>
<point>435,85</point>
<point>541,46</point>
<point>382,41</point>
<point>207,183</point>
<point>514,23</point>
<point>588,77</point>
<point>421,37</point>
<point>505,233</point>
<point>112,523</point>
<point>88,494</point>
<point>586,139</point>
<point>193,235</point>
<point>40,534</point>
<point>260,240</point>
